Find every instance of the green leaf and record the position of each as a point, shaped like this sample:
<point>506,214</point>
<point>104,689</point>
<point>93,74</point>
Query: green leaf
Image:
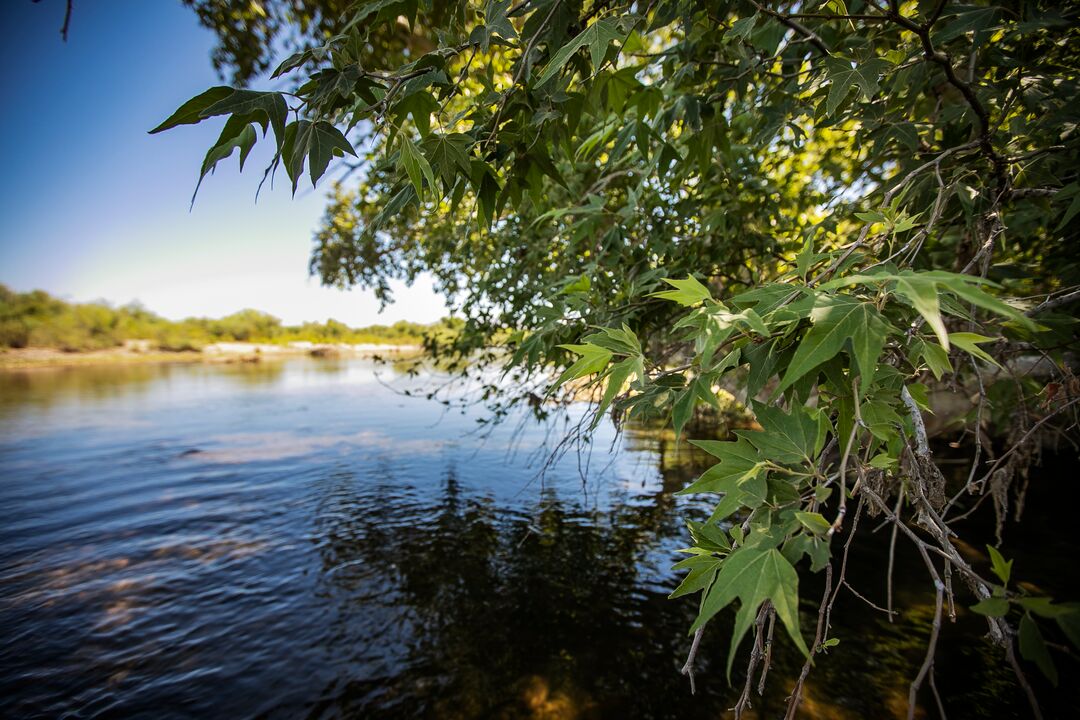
<point>992,607</point>
<point>815,546</point>
<point>1070,624</point>
<point>786,438</point>
<point>616,379</point>
<point>709,537</point>
<point>237,133</point>
<point>683,409</point>
<point>998,564</point>
<point>417,167</point>
<point>844,74</point>
<point>969,342</point>
<point>191,112</point>
<point>1033,648</point>
<point>687,292</point>
<point>935,358</point>
<point>420,105</point>
<point>1074,206</point>
<point>740,476</point>
<point>1044,606</point>
<point>814,522</point>
<point>838,320</point>
<point>597,36</point>
<point>618,340</point>
<point>448,154</point>
<point>923,294</point>
<point>753,575</point>
<point>703,569</point>
<point>268,107</point>
<point>593,359</point>
<point>977,296</point>
<point>400,199</point>
<point>741,28</point>
<point>318,142</point>
<point>884,461</point>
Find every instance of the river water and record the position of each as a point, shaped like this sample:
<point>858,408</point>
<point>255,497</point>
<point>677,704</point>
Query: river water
<point>298,539</point>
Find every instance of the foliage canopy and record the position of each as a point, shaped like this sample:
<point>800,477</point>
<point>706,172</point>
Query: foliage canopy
<point>833,208</point>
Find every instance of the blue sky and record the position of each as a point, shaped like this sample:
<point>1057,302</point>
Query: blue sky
<point>92,207</point>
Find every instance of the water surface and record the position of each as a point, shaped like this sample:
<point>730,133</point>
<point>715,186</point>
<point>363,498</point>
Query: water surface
<point>299,539</point>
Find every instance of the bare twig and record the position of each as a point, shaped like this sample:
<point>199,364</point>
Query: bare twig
<point>796,694</point>
<point>1054,303</point>
<point>67,22</point>
<point>756,653</point>
<point>935,628</point>
<point>892,557</point>
<point>688,668</point>
<point>1022,679</point>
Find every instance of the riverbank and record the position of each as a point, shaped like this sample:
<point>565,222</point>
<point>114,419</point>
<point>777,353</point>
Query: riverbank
<point>226,352</point>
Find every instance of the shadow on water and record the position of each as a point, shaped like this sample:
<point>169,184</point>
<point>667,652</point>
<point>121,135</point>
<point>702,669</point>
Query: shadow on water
<point>175,545</point>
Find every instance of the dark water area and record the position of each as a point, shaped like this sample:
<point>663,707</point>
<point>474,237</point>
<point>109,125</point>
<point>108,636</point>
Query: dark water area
<point>297,539</point>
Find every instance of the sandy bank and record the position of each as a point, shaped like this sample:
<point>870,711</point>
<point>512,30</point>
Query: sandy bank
<point>225,352</point>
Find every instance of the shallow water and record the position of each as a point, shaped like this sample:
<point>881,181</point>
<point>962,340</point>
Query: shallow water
<point>297,539</point>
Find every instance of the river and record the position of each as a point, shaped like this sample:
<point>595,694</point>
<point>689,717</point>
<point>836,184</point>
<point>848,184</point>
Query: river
<point>297,538</point>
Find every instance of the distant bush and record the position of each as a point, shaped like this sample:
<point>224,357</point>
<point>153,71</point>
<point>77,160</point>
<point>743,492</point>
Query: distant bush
<point>37,319</point>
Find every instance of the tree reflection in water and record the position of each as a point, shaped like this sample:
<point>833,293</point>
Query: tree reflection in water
<point>561,612</point>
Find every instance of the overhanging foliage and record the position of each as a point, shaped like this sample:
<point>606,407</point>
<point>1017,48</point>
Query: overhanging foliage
<point>832,207</point>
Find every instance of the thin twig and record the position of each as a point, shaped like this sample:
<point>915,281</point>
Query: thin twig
<point>935,628</point>
<point>67,22</point>
<point>688,668</point>
<point>796,694</point>
<point>892,556</point>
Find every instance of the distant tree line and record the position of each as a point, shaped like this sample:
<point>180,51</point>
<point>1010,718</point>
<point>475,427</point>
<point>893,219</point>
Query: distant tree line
<point>37,319</point>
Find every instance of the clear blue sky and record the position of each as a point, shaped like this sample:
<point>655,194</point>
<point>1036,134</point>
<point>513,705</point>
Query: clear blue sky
<point>92,207</point>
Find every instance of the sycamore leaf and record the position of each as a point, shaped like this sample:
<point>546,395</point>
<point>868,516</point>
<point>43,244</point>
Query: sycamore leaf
<point>405,195</point>
<point>969,288</point>
<point>417,167</point>
<point>683,409</point>
<point>317,142</point>
<point>709,537</point>
<point>687,292</point>
<point>753,574</point>
<point>237,133</point>
<point>1069,623</point>
<point>264,107</point>
<point>703,569</point>
<point>784,438</point>
<point>448,154</point>
<point>1033,648</point>
<point>740,476</point>
<point>616,379</point>
<point>934,356</point>
<point>969,342</point>
<point>1001,567</point>
<point>191,112</point>
<point>844,74</point>
<point>618,340</point>
<point>838,320</point>
<point>815,546</point>
<point>814,522</point>
<point>923,294</point>
<point>992,607</point>
<point>1044,606</point>
<point>593,359</point>
<point>597,36</point>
